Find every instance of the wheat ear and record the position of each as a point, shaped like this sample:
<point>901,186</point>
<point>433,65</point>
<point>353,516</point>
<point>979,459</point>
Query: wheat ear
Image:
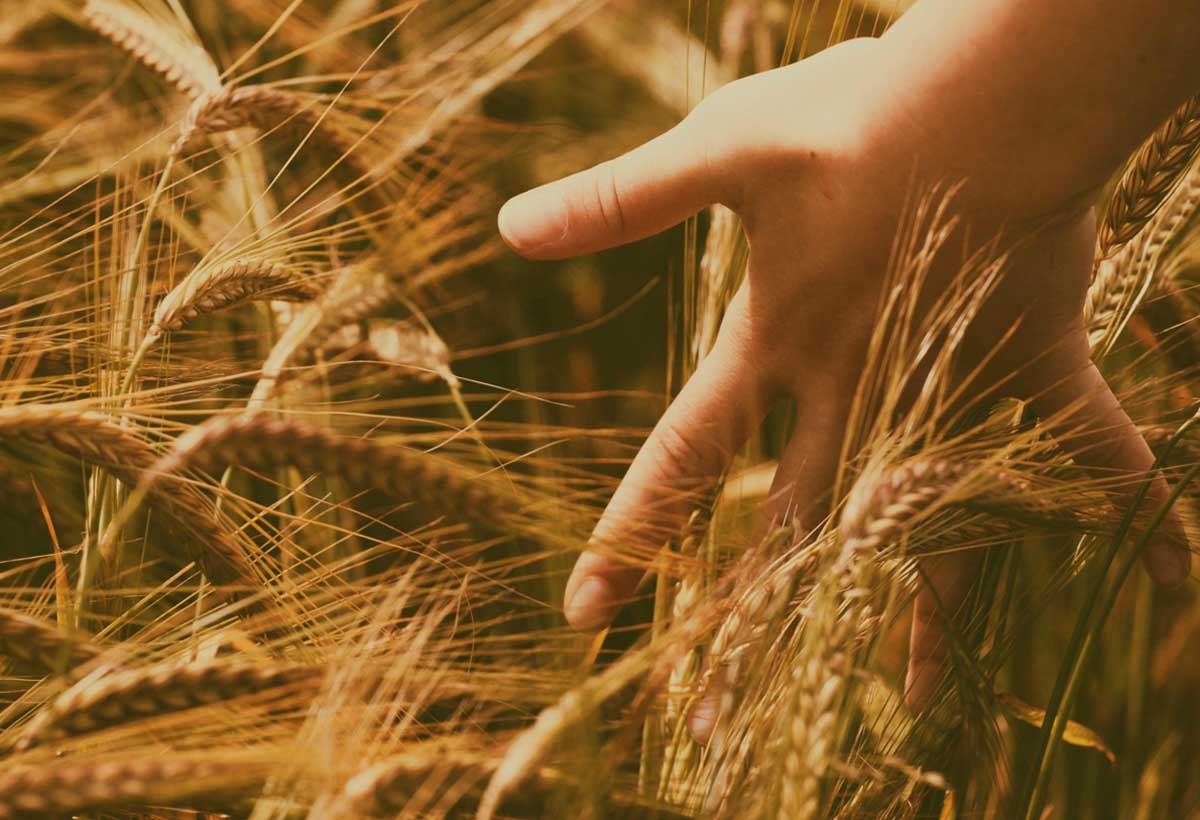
<point>388,787</point>
<point>145,40</point>
<point>233,283</point>
<point>96,439</point>
<point>356,293</point>
<point>265,442</point>
<point>42,644</point>
<point>1121,281</point>
<point>263,108</point>
<point>137,694</point>
<point>67,788</point>
<point>845,603</point>
<point>1149,178</point>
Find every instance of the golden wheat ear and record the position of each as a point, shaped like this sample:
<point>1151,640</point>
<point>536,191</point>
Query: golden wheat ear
<point>44,645</point>
<point>70,787</point>
<point>1123,281</point>
<point>96,439</point>
<point>158,46</point>
<point>227,285</point>
<point>1149,179</point>
<point>130,695</point>
<point>265,109</point>
<point>261,441</point>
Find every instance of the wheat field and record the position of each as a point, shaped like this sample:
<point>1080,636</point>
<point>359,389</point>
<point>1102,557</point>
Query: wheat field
<point>295,456</point>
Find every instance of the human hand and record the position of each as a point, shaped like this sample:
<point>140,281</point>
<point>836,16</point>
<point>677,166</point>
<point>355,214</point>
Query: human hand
<point>819,160</point>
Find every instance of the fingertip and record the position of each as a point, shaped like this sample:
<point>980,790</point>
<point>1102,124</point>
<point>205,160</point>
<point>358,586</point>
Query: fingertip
<point>703,718</point>
<point>590,604</point>
<point>920,685</point>
<point>534,223</point>
<point>1168,561</point>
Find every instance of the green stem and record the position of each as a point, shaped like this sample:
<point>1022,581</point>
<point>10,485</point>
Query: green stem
<point>1087,627</point>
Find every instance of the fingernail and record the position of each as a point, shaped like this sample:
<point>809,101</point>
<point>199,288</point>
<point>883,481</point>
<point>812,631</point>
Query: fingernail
<point>590,606</point>
<point>1169,563</point>
<point>534,220</point>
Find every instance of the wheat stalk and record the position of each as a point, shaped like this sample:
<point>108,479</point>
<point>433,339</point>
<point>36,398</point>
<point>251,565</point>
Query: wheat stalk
<point>42,644</point>
<point>151,44</point>
<point>679,754</point>
<point>65,788</point>
<point>96,439</point>
<point>1149,178</point>
<point>264,442</point>
<point>129,695</point>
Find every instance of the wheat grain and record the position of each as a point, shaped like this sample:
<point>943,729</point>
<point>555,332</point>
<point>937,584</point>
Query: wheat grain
<point>423,354</point>
<point>182,63</point>
<point>42,644</point>
<point>879,512</point>
<point>399,343</point>
<point>136,694</point>
<point>1149,178</point>
<point>213,289</point>
<point>263,442</point>
<point>85,434</point>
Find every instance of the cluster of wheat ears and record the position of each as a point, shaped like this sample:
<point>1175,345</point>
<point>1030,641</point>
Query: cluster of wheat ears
<point>269,552</point>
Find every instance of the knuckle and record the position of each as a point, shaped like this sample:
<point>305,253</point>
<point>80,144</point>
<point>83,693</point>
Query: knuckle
<point>606,195</point>
<point>679,455</point>
<point>719,104</point>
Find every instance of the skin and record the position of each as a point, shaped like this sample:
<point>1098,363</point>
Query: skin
<point>1030,105</point>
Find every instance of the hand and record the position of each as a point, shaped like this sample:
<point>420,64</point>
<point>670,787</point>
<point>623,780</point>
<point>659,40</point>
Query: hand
<point>818,159</point>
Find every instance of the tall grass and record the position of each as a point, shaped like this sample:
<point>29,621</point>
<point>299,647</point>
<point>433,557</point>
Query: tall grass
<point>293,458</point>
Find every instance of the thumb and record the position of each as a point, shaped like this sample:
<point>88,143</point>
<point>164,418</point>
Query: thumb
<point>1086,418</point>
<point>625,199</point>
